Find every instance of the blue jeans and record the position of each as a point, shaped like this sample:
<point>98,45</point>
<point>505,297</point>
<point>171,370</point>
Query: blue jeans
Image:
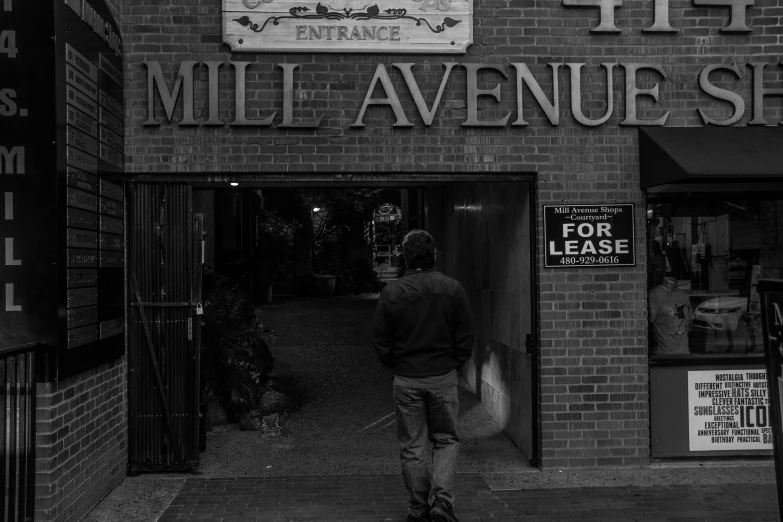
<point>427,413</point>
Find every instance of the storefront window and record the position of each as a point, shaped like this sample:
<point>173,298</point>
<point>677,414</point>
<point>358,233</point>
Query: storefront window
<point>704,259</point>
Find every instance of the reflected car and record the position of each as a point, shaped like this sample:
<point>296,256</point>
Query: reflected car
<point>721,313</point>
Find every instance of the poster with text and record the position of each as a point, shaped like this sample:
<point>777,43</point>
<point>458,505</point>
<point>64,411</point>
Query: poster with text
<point>589,235</point>
<point>728,410</point>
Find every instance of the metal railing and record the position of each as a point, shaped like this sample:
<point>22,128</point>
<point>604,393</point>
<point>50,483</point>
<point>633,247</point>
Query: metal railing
<point>17,433</point>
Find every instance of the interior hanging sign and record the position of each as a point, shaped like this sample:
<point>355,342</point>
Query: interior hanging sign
<point>352,26</point>
<point>589,235</point>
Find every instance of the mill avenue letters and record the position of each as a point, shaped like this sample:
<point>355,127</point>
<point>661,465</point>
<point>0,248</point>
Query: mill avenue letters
<point>522,76</point>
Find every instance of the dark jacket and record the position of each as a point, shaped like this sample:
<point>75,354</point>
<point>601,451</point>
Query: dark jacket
<point>423,325</point>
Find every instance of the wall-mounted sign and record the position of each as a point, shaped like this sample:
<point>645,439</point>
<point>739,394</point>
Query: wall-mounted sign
<point>522,78</point>
<point>81,180</point>
<point>89,97</point>
<point>82,316</point>
<point>589,235</point>
<point>80,277</point>
<point>354,26</point>
<point>728,410</point>
<point>51,144</point>
<point>82,219</point>
<point>113,327</point>
<point>81,336</point>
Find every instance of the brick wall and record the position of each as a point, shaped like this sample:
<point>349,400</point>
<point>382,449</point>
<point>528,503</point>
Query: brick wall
<point>593,344</point>
<point>82,441</point>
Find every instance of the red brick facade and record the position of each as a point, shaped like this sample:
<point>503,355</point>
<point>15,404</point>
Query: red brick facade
<point>592,322</point>
<point>82,441</point>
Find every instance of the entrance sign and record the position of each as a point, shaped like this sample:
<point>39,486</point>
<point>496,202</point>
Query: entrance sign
<point>348,26</point>
<point>772,327</point>
<point>589,235</point>
<point>728,410</point>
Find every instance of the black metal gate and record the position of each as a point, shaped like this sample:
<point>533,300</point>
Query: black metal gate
<point>17,433</point>
<point>164,290</point>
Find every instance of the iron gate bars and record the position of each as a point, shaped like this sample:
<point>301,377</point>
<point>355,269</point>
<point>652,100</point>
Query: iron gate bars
<point>17,433</point>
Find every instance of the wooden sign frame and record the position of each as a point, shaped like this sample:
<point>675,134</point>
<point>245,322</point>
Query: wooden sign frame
<point>348,26</point>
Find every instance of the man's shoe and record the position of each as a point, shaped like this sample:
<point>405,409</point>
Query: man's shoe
<point>424,517</point>
<point>441,511</point>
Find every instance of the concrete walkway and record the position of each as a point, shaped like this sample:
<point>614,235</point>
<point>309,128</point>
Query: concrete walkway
<point>335,457</point>
<point>382,499</point>
<point>741,491</point>
<point>345,423</point>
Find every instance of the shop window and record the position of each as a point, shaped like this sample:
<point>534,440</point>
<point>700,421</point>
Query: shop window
<point>704,259</point>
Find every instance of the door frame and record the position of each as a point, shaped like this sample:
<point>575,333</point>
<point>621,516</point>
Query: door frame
<point>409,180</point>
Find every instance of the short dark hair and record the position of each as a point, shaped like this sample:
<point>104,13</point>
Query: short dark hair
<point>418,249</point>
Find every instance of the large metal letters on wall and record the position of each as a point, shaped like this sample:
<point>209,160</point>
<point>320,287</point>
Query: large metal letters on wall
<point>358,26</point>
<point>64,201</point>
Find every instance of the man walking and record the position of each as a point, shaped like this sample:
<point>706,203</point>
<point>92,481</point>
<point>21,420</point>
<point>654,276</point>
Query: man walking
<point>423,332</point>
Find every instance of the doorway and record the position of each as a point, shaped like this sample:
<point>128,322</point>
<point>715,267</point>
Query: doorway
<point>484,229</point>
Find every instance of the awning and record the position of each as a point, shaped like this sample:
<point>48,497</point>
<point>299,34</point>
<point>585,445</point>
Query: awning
<point>704,154</point>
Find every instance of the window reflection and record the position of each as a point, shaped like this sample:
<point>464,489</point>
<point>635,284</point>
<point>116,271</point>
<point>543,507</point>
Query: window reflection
<point>704,258</point>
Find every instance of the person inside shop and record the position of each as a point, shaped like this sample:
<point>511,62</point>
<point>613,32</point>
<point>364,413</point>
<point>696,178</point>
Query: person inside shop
<point>669,314</point>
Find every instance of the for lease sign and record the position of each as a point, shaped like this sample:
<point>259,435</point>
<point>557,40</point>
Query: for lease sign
<point>589,235</point>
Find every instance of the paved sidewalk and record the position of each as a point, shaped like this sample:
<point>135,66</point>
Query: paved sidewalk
<point>382,498</point>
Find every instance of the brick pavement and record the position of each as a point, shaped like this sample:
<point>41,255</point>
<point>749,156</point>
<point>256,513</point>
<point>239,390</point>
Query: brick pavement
<point>382,498</point>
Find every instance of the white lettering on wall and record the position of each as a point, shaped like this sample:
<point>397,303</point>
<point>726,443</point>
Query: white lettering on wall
<point>12,160</point>
<point>9,299</point>
<point>9,253</point>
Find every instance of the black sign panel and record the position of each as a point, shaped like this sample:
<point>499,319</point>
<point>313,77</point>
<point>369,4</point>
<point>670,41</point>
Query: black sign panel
<point>82,160</point>
<point>112,327</point>
<point>81,140</point>
<point>89,51</point>
<point>28,304</point>
<point>111,207</point>
<point>76,237</point>
<point>81,336</point>
<point>109,224</point>
<point>58,61</point>
<point>111,259</point>
<point>81,219</point>
<point>80,62</point>
<point>81,121</point>
<point>589,235</point>
<point>771,294</point>
<point>77,257</point>
<point>110,190</point>
<point>110,121</point>
<point>81,102</point>
<point>81,180</point>
<point>83,200</point>
<point>82,297</point>
<point>82,316</point>
<point>111,242</point>
<point>80,277</point>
